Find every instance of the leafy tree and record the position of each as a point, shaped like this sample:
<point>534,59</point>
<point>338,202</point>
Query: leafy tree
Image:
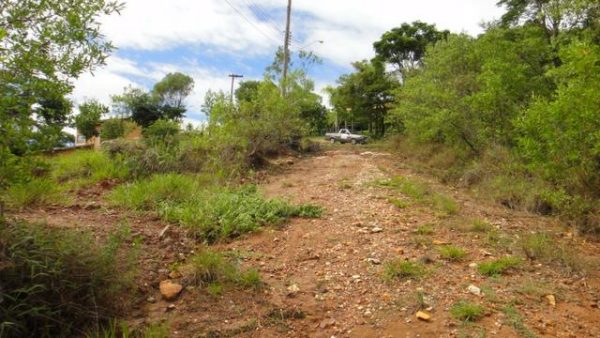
<point>87,121</point>
<point>165,101</point>
<point>171,93</point>
<point>44,45</point>
<point>162,130</point>
<point>551,15</point>
<point>404,46</point>
<point>362,97</point>
<point>560,135</point>
<point>247,91</point>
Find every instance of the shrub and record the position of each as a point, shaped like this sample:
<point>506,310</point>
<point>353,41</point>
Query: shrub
<point>499,266</point>
<point>112,129</point>
<point>162,131</point>
<point>57,282</point>
<point>402,269</point>
<point>466,311</point>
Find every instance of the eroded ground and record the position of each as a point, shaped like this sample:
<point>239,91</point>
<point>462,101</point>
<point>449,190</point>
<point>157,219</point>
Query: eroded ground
<point>324,277</point>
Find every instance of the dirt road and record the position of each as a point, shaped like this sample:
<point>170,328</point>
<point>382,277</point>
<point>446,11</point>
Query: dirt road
<point>325,277</point>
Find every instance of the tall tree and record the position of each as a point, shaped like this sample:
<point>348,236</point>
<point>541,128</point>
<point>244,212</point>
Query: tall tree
<point>171,93</point>
<point>404,46</point>
<point>88,119</point>
<point>44,45</point>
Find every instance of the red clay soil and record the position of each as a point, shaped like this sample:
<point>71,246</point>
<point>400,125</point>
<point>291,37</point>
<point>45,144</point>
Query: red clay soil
<point>324,277</point>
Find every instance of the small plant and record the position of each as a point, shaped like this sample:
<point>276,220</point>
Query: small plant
<point>466,311</point>
<point>516,321</point>
<point>213,270</point>
<point>425,229</point>
<point>445,204</point>
<point>398,203</point>
<point>499,266</point>
<point>452,253</point>
<point>420,192</point>
<point>543,248</point>
<point>479,225</point>
<point>402,269</point>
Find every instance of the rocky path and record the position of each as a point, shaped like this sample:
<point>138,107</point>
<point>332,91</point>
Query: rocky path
<point>325,277</point>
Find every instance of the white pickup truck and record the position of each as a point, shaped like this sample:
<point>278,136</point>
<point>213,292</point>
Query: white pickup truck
<point>345,136</point>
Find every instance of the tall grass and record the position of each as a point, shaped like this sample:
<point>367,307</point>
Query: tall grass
<point>58,283</point>
<point>87,166</point>
<point>33,193</point>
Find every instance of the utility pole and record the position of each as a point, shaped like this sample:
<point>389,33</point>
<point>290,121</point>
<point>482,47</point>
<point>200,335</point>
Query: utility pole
<point>286,46</point>
<point>233,76</point>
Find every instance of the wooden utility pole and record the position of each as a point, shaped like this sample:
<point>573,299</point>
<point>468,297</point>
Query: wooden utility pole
<point>233,76</point>
<point>286,47</point>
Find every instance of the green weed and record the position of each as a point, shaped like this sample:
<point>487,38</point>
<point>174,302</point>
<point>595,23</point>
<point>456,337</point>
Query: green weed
<point>499,266</point>
<point>402,269</point>
<point>543,248</point>
<point>466,311</point>
<point>452,253</point>
<point>425,229</point>
<point>420,192</point>
<point>213,270</point>
<point>58,282</point>
<point>34,193</point>
<point>398,203</point>
<point>479,225</point>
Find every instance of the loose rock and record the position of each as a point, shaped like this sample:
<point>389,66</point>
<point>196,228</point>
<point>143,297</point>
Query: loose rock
<point>474,290</point>
<point>422,315</point>
<point>170,290</point>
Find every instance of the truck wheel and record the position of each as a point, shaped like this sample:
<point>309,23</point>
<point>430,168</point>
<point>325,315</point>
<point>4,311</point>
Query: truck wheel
<point>353,141</point>
<point>332,141</point>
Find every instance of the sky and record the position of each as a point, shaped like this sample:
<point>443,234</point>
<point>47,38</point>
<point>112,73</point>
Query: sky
<point>209,39</point>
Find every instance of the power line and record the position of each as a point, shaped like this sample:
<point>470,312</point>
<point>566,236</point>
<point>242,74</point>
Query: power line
<point>262,14</point>
<point>250,22</point>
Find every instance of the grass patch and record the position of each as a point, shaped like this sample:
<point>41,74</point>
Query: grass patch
<point>420,192</point>
<point>120,329</point>
<point>515,320</point>
<point>498,240</point>
<point>499,266</point>
<point>149,194</point>
<point>452,253</point>
<point>536,288</point>
<point>34,193</point>
<point>214,270</point>
<point>425,229</point>
<point>479,225</point>
<point>466,311</point>
<point>398,203</point>
<point>88,167</point>
<point>210,212</point>
<point>402,269</point>
<point>543,248</point>
<point>58,282</point>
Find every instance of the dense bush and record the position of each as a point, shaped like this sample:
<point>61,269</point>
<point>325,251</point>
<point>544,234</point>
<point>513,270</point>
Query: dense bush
<point>58,283</point>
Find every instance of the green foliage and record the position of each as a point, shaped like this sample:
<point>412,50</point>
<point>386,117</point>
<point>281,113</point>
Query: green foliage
<point>452,253</point>
<point>425,229</point>
<point>150,194</point>
<point>112,128</point>
<point>402,269</point>
<point>58,282</point>
<point>561,135</point>
<point>479,225</point>
<point>171,92</point>
<point>90,113</point>
<point>162,131</point>
<point>87,167</point>
<point>45,45</point>
<point>499,266</point>
<point>211,213</point>
<point>361,98</point>
<point>515,320</point>
<point>543,248</point>
<point>405,46</point>
<point>466,311</point>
